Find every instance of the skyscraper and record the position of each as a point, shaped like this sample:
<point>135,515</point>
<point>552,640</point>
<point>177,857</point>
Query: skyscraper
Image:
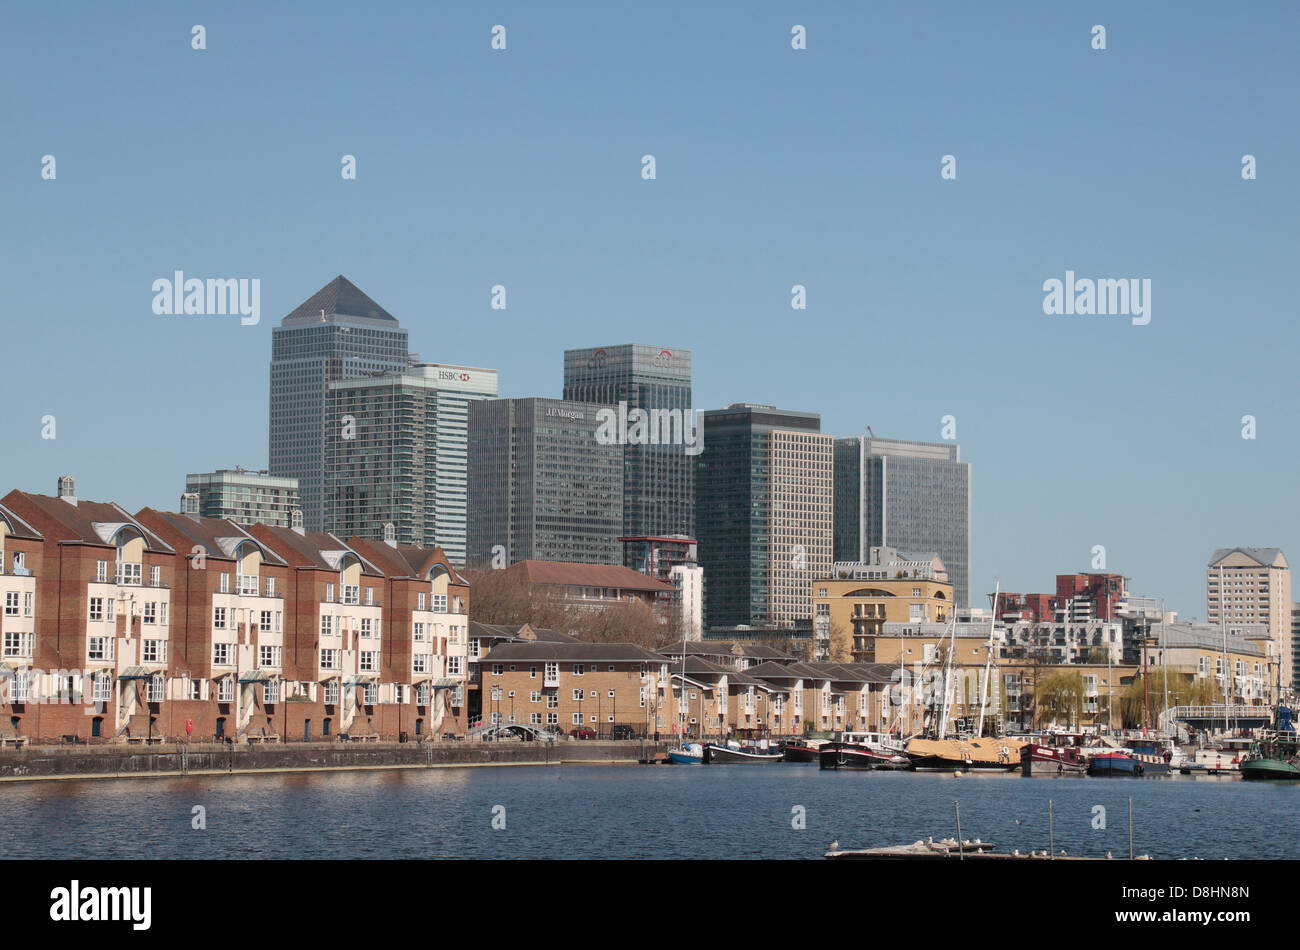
<point>404,457</point>
<point>763,514</point>
<point>658,479</point>
<point>914,496</point>
<point>337,333</point>
<point>541,486</point>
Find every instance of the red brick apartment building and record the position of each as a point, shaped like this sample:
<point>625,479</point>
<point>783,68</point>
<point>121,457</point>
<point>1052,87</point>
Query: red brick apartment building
<point>1083,597</point>
<point>163,624</point>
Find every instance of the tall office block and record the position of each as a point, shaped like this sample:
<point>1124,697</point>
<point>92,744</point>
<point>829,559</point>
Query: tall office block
<point>403,458</point>
<point>658,479</point>
<point>241,496</point>
<point>914,496</point>
<point>541,487</point>
<point>337,333</point>
<point>763,514</point>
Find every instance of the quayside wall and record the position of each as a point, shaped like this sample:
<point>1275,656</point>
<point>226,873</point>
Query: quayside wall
<point>115,761</point>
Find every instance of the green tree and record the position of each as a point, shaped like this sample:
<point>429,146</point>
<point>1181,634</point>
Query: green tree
<point>1184,690</point>
<point>1059,697</point>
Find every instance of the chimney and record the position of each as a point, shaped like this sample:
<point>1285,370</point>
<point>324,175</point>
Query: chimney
<point>68,489</point>
<point>295,520</point>
<point>190,503</point>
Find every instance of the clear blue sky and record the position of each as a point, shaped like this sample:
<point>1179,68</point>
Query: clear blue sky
<point>775,167</point>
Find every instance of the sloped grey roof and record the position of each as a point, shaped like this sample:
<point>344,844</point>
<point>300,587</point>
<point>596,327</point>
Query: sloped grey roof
<point>487,631</point>
<point>340,297</point>
<point>1205,637</point>
<point>566,652</point>
<point>1262,555</point>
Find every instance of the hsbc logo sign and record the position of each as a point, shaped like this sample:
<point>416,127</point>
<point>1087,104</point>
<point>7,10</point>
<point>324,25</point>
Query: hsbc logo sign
<point>453,376</point>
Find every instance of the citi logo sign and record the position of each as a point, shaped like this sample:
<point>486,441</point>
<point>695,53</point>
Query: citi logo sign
<point>664,359</point>
<point>597,360</point>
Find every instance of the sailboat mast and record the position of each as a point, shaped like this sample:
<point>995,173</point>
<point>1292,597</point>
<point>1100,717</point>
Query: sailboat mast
<point>947,674</point>
<point>1223,626</point>
<point>1164,658</point>
<point>988,658</point>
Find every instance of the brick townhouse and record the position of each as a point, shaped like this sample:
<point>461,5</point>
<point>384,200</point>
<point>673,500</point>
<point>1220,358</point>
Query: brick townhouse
<point>21,561</point>
<point>426,637</point>
<point>228,646</point>
<point>100,656</point>
<point>131,628</point>
<point>483,638</point>
<point>573,686</point>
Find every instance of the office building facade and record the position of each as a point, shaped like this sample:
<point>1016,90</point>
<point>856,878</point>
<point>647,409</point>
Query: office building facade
<point>914,496</point>
<point>337,333</point>
<point>658,478</point>
<point>241,496</point>
<point>541,486</point>
<point>763,514</point>
<point>397,453</point>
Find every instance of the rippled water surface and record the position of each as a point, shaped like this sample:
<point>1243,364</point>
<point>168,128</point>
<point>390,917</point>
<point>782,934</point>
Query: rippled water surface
<point>634,812</point>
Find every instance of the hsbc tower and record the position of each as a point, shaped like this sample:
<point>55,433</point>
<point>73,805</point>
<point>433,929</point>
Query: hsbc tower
<point>397,453</point>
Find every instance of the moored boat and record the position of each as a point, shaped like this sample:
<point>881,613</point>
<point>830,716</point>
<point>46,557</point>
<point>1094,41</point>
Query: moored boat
<point>733,753</point>
<point>803,750</point>
<point>1275,755</point>
<point>1039,759</point>
<point>974,755</point>
<point>863,750</point>
<point>1114,762</point>
<point>690,753</point>
<point>1212,762</point>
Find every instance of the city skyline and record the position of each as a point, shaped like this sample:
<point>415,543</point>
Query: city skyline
<point>812,168</point>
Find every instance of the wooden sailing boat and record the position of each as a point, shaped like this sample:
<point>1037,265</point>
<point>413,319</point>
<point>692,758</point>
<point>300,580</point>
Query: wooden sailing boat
<point>978,754</point>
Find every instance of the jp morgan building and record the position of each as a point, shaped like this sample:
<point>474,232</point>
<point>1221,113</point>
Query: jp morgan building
<point>541,486</point>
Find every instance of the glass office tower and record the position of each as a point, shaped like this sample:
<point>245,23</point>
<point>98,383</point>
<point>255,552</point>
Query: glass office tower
<point>763,514</point>
<point>913,496</point>
<point>541,486</point>
<point>337,333</point>
<point>406,462</point>
<point>658,479</point>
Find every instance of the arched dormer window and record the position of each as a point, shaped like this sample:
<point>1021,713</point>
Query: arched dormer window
<point>130,546</point>
<point>248,561</point>
<point>439,583</point>
<point>350,579</point>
